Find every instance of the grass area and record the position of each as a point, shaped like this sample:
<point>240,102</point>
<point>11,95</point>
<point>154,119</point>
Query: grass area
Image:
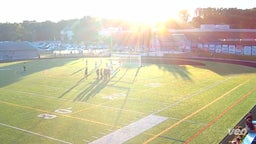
<point>189,96</point>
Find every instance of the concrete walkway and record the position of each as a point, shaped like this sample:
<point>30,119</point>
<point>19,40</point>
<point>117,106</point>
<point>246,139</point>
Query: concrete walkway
<point>130,131</point>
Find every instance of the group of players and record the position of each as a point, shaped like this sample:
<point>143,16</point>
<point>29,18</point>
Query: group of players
<point>102,73</point>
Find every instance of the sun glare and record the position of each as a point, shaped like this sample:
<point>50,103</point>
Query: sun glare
<point>147,12</point>
<point>151,12</point>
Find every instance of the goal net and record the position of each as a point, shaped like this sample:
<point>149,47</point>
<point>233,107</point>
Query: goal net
<point>127,60</point>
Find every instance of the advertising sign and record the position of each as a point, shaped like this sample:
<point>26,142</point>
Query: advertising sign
<point>239,49</point>
<point>205,46</point>
<point>254,50</point>
<point>200,45</point>
<point>218,49</point>
<point>247,50</point>
<point>224,48</point>
<point>212,47</point>
<point>232,49</point>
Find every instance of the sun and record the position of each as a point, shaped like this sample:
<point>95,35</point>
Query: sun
<point>148,12</point>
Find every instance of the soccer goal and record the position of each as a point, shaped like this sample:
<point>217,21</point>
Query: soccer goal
<point>127,60</point>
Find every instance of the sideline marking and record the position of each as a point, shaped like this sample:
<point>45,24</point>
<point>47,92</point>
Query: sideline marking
<point>91,107</point>
<point>219,116</point>
<point>5,69</point>
<point>194,113</point>
<point>67,116</point>
<point>67,100</point>
<point>128,132</point>
<point>193,94</point>
<point>27,131</point>
<point>173,139</point>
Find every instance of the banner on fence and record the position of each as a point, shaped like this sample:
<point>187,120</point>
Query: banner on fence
<point>248,50</point>
<point>232,49</point>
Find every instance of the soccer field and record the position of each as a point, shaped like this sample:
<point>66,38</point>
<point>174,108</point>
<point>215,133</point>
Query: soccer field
<point>52,101</point>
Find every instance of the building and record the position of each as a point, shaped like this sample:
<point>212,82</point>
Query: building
<point>220,39</point>
<point>17,51</point>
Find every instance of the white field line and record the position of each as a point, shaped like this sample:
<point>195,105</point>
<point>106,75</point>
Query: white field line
<point>34,94</point>
<point>190,96</point>
<point>109,107</point>
<point>183,99</point>
<point>189,121</point>
<point>67,100</point>
<point>5,69</point>
<point>44,136</point>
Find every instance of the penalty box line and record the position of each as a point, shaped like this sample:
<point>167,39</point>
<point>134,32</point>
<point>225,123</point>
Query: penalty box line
<point>34,133</point>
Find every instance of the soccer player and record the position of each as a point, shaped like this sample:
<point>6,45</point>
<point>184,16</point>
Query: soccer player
<point>86,62</point>
<point>86,71</point>
<point>98,73</point>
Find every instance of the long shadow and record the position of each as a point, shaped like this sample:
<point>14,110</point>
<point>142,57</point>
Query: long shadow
<point>14,72</point>
<point>136,74</point>
<point>219,66</point>
<point>76,84</point>
<point>77,71</point>
<point>223,66</point>
<point>228,67</point>
<point>83,96</point>
<point>67,91</point>
<point>178,71</point>
<point>93,89</point>
<point>177,67</point>
<point>121,77</point>
<point>125,100</point>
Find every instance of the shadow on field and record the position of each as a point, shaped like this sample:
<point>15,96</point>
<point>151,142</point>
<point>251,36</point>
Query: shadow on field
<point>219,66</point>
<point>177,67</point>
<point>117,119</point>
<point>91,91</point>
<point>229,67</point>
<point>16,71</point>
<point>67,91</point>
<point>94,88</point>
<point>77,71</point>
<point>178,71</point>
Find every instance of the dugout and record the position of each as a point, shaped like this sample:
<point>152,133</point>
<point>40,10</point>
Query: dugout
<point>17,51</point>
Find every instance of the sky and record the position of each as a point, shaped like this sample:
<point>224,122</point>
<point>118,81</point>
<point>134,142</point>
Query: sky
<point>138,10</point>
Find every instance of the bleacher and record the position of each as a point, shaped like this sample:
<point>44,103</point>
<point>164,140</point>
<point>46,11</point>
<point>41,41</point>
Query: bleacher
<point>10,50</point>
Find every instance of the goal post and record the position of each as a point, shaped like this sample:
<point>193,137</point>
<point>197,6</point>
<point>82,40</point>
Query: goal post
<point>126,59</point>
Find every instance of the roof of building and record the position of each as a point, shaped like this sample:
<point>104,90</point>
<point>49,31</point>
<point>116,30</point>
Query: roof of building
<point>11,46</point>
<point>198,30</point>
<point>230,36</point>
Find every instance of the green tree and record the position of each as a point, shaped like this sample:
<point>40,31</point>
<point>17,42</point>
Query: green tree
<point>87,30</point>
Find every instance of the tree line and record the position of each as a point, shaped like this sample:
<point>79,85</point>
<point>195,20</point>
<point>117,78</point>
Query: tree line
<point>83,29</point>
<point>236,18</point>
<point>87,29</point>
